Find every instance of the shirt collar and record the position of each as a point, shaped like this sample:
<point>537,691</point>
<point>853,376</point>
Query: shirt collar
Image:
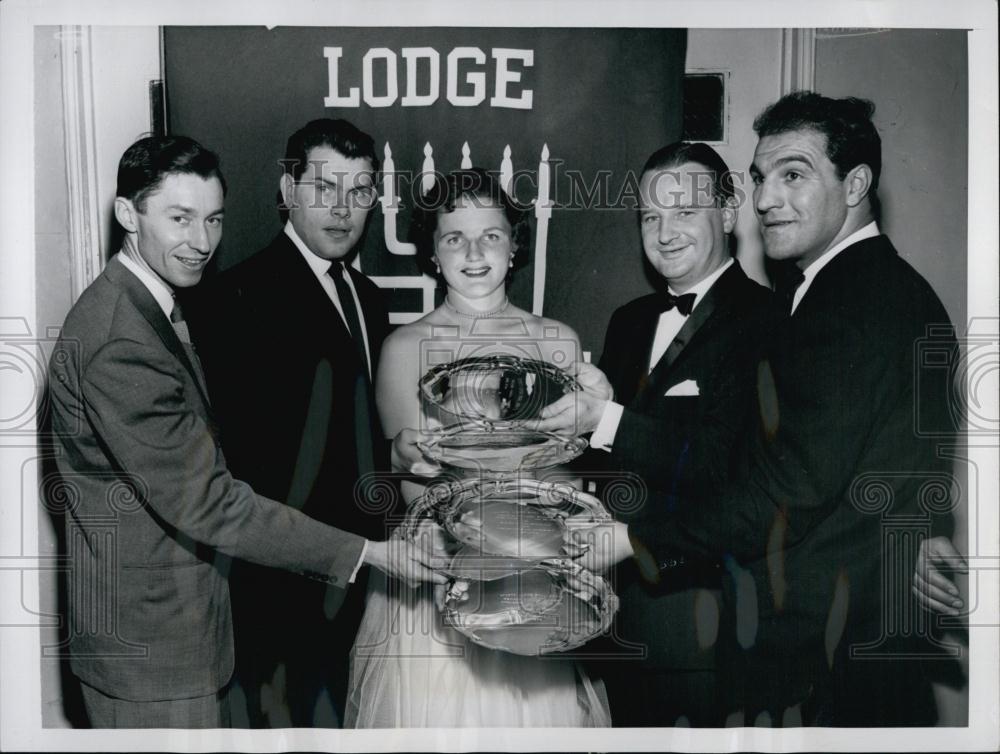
<point>317,264</point>
<point>161,291</point>
<point>700,288</point>
<point>868,231</point>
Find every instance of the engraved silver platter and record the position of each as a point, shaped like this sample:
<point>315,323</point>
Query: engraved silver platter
<point>488,405</point>
<point>515,586</point>
<point>516,518</point>
<point>502,603</point>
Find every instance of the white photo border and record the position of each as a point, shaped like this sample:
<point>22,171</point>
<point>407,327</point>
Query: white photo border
<point>20,693</point>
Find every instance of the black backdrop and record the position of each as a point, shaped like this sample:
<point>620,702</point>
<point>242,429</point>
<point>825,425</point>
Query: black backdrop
<point>603,99</point>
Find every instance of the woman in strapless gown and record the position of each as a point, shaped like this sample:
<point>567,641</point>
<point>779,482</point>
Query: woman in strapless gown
<point>408,668</point>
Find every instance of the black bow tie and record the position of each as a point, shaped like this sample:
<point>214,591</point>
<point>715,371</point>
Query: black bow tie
<point>684,303</point>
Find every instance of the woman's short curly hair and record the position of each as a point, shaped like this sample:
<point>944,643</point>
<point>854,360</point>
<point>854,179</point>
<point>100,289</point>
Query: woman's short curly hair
<point>475,184</point>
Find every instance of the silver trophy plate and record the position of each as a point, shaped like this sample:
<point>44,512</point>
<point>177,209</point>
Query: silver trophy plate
<point>487,405</point>
<point>526,608</point>
<point>498,388</point>
<point>515,586</point>
<point>514,518</point>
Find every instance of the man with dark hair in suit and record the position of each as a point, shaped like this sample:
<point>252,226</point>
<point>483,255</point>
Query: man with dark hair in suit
<point>837,485</point>
<point>291,339</point>
<point>155,513</point>
<point>682,365</point>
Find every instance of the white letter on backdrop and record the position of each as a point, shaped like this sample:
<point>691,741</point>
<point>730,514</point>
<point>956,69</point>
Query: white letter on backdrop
<point>504,76</point>
<point>412,55</point>
<point>391,85</point>
<point>333,99</point>
<point>477,79</point>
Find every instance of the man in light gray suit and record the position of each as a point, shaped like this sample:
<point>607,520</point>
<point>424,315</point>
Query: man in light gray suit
<point>156,515</point>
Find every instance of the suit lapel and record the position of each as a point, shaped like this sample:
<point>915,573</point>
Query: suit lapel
<point>702,314</point>
<point>306,292</point>
<point>633,362</point>
<point>310,296</point>
<point>144,302</point>
<point>837,276</point>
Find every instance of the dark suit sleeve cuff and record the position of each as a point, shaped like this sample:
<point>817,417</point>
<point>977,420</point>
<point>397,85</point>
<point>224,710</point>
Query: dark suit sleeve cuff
<point>652,557</point>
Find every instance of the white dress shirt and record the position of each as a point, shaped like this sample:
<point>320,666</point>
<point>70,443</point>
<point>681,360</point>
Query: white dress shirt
<point>321,269</point>
<point>667,327</point>
<point>809,273</point>
<point>160,290</point>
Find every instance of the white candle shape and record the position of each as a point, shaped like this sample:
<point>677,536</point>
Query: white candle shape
<point>427,177</point>
<point>507,171</point>
<point>543,178</point>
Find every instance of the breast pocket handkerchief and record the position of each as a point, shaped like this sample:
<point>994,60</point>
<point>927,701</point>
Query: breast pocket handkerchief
<point>688,387</point>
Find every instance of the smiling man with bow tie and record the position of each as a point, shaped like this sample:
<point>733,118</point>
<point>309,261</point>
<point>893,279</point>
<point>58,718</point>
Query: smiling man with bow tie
<point>831,499</point>
<point>681,365</point>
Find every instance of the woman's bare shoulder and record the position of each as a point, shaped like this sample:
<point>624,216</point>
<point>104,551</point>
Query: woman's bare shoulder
<point>555,329</point>
<point>404,336</point>
<point>556,341</point>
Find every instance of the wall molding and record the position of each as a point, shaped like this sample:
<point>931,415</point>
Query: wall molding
<point>80,151</point>
<point>798,60</point>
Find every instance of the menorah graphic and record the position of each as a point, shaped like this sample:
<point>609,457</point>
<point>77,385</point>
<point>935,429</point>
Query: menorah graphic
<point>424,282</point>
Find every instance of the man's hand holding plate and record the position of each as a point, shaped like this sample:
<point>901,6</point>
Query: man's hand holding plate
<point>579,412</point>
<point>407,456</point>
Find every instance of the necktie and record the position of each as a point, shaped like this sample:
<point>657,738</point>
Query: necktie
<point>684,303</point>
<point>184,336</point>
<point>180,326</point>
<point>787,281</point>
<point>364,407</point>
<point>337,272</point>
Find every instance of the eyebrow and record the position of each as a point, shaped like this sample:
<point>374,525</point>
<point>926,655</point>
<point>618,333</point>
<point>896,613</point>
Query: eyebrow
<point>485,230</point>
<point>334,182</point>
<point>191,211</point>
<point>656,207</point>
<point>784,161</point>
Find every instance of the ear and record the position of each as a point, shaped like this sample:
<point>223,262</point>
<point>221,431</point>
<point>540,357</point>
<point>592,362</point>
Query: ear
<point>729,215</point>
<point>125,214</point>
<point>287,188</point>
<point>858,181</point>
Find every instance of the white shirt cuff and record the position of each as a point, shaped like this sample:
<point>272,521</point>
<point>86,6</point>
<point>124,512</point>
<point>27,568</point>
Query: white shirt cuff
<point>604,435</point>
<point>361,562</point>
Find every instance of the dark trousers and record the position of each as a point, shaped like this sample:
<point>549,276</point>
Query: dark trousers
<point>794,689</point>
<point>661,698</point>
<point>293,640</point>
<point>105,711</point>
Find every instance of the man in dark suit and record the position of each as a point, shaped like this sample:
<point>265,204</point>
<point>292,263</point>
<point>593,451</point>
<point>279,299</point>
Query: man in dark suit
<point>290,340</point>
<point>154,514</point>
<point>682,364</point>
<point>838,484</point>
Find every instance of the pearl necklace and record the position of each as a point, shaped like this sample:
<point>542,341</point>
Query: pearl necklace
<point>477,315</point>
